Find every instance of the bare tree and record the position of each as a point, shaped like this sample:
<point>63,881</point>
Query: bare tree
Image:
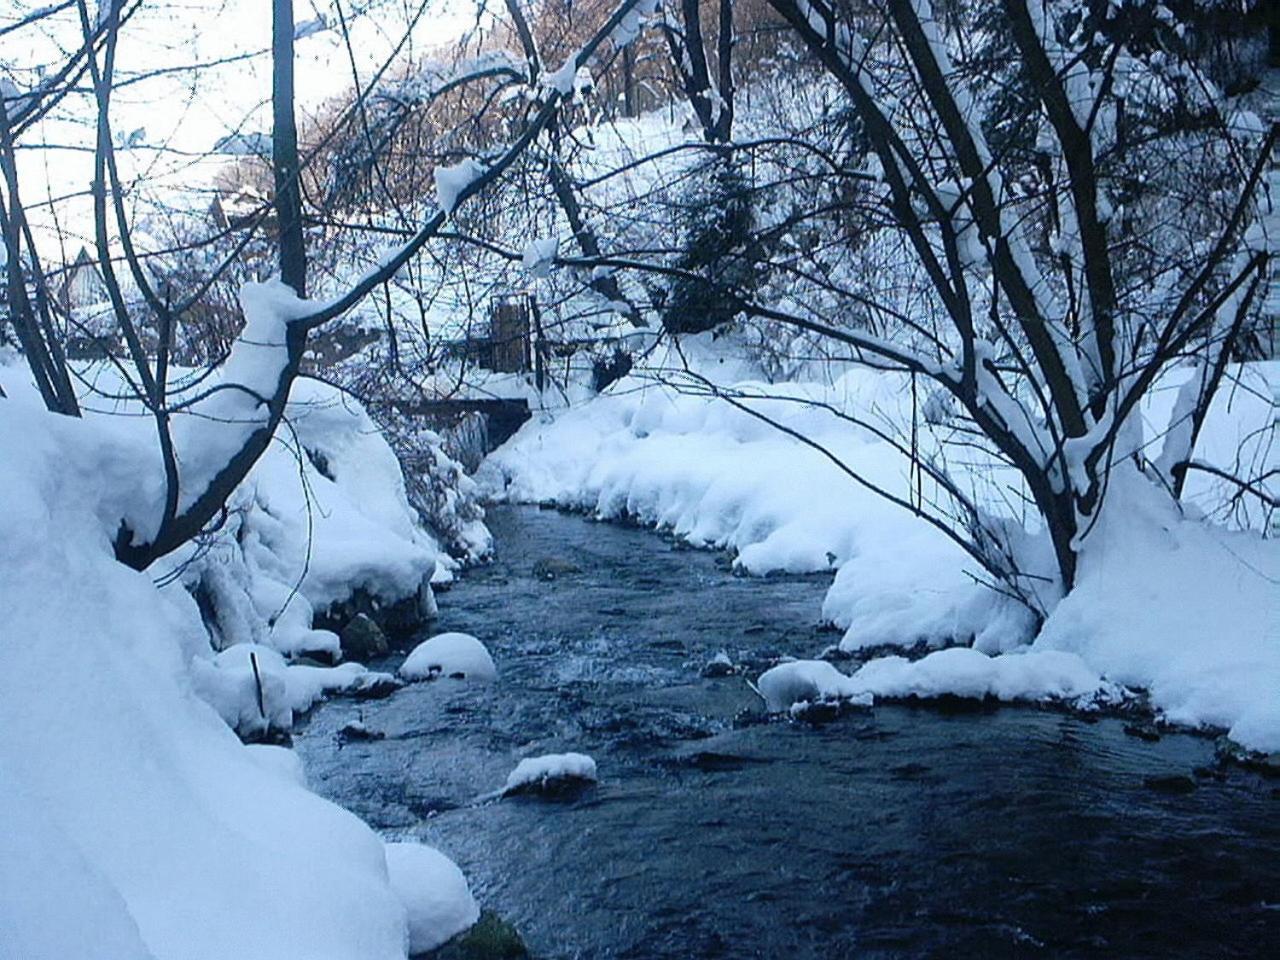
<point>230,420</point>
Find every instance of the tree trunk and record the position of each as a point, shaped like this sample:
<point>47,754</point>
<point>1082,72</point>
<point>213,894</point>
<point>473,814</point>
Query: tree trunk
<point>284,151</point>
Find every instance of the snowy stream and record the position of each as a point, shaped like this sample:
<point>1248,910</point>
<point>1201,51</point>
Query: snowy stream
<point>892,833</point>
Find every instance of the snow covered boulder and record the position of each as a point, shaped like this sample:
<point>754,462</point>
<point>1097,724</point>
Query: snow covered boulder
<point>808,681</point>
<point>550,773</point>
<point>435,894</point>
<point>459,656</point>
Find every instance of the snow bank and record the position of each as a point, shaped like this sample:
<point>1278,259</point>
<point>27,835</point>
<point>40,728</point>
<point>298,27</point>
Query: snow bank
<point>457,655</point>
<point>718,476</point>
<point>434,892</point>
<point>959,671</point>
<point>1181,607</point>
<point>549,768</point>
<point>136,823</point>
<point>1190,612</point>
<point>965,672</point>
<point>323,513</point>
<point>805,680</point>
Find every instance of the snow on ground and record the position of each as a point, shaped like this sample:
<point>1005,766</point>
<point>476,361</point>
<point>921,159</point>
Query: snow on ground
<point>551,767</point>
<point>324,512</point>
<point>1190,612</point>
<point>1035,675</point>
<point>434,892</point>
<point>456,655</point>
<point>136,823</point>
<point>1186,609</point>
<point>804,680</point>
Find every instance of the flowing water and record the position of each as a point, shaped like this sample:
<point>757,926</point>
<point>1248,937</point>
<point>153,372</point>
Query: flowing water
<point>893,833</point>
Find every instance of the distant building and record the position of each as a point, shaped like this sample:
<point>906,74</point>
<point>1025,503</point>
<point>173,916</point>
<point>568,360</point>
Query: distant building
<point>83,284</point>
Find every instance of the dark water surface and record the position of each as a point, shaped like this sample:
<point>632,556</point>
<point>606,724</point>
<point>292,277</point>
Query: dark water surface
<point>893,833</point>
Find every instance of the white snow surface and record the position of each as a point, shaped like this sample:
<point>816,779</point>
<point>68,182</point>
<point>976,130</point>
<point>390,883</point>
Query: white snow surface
<point>297,538</point>
<point>434,892</point>
<point>452,180</point>
<point>457,655</point>
<point>551,766</point>
<point>806,680</point>
<point>965,672</point>
<point>1183,607</point>
<point>136,825</point>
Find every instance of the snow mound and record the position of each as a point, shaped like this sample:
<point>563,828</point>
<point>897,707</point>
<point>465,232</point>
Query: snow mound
<point>1189,612</point>
<point>964,672</point>
<point>539,772</point>
<point>434,893</point>
<point>253,702</point>
<point>280,761</point>
<point>456,655</point>
<point>806,681</point>
<point>136,825</point>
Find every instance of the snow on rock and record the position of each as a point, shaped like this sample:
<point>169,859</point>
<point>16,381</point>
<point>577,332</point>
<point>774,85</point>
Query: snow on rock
<point>136,825</point>
<point>810,681</point>
<point>254,702</point>
<point>456,655</point>
<point>965,672</point>
<point>452,180</point>
<point>538,773</point>
<point>434,892</point>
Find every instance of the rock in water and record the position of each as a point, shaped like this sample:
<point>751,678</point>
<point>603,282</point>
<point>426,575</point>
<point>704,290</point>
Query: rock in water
<point>362,639</point>
<point>552,773</point>
<point>459,656</point>
<point>552,567</point>
<point>1172,783</point>
<point>356,732</point>
<point>492,938</point>
<point>434,892</point>
<point>718,666</point>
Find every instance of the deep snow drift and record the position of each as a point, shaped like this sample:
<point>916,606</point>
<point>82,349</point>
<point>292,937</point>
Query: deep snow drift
<point>1167,602</point>
<point>136,824</point>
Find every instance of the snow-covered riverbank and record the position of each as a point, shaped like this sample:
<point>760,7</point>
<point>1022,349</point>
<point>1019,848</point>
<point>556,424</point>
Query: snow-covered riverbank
<point>136,824</point>
<point>1170,603</point>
